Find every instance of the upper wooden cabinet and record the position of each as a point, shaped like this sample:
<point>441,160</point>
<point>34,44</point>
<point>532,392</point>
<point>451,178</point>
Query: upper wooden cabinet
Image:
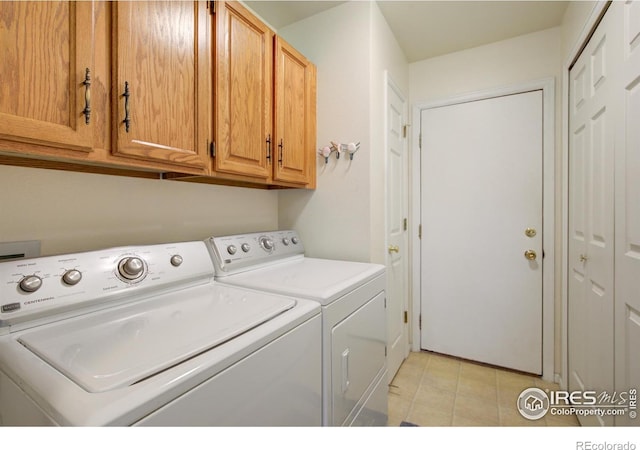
<point>46,51</point>
<point>169,87</point>
<point>160,91</point>
<point>242,100</point>
<point>294,116</point>
<point>264,106</point>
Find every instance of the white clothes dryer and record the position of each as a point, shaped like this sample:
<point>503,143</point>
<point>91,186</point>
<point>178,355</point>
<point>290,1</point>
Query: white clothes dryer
<point>352,296</point>
<point>145,336</point>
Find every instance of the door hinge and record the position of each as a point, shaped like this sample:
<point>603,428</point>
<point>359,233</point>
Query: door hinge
<point>420,141</point>
<point>406,317</point>
<point>211,6</point>
<point>420,231</point>
<point>404,224</point>
<point>385,350</point>
<point>404,131</point>
<point>420,322</point>
<point>212,149</point>
<point>385,302</point>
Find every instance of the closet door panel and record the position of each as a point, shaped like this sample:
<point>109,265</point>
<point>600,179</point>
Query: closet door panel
<point>591,214</point>
<point>628,213</point>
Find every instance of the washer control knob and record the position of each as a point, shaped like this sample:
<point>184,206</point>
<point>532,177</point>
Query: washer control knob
<point>266,243</point>
<point>30,283</point>
<point>72,277</point>
<point>131,267</point>
<point>176,260</point>
<point>245,247</point>
<point>295,240</point>
<point>285,241</point>
<point>232,249</point>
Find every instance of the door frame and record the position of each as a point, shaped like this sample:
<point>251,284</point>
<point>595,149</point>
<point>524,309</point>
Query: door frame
<point>589,27</point>
<point>547,85</point>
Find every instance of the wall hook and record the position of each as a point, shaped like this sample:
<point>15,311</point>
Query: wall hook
<point>325,152</point>
<point>351,148</point>
<point>336,148</point>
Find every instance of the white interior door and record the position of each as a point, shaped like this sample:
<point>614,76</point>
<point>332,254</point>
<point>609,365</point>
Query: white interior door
<point>627,174</point>
<point>591,213</point>
<point>396,229</point>
<point>481,171</point>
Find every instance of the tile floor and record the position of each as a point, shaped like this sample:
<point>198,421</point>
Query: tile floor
<point>436,390</point>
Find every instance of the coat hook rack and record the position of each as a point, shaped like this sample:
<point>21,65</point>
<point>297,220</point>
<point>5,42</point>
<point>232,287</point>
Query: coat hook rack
<point>338,148</point>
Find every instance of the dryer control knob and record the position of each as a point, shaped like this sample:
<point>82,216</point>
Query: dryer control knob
<point>72,277</point>
<point>131,267</point>
<point>245,247</point>
<point>176,260</point>
<point>285,241</point>
<point>295,240</point>
<point>266,243</point>
<point>232,249</point>
<point>30,283</point>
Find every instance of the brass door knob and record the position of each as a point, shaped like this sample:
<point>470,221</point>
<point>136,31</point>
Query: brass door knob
<point>583,258</point>
<point>531,255</point>
<point>394,249</point>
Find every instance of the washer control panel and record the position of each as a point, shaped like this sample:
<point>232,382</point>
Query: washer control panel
<point>238,252</point>
<point>37,287</point>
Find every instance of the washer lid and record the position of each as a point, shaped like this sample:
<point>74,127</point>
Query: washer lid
<point>321,280</point>
<point>121,346</point>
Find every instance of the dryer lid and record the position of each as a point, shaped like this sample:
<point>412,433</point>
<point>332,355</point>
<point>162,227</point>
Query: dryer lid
<point>120,346</point>
<point>321,280</point>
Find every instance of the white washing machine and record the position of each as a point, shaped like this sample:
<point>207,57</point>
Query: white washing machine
<point>353,315</point>
<point>145,336</point>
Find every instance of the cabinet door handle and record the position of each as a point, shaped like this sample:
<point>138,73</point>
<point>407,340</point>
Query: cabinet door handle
<point>87,96</point>
<point>281,147</point>
<point>127,113</point>
<point>269,149</point>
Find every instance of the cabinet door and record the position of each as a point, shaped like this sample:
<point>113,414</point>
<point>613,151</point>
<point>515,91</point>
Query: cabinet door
<point>160,82</point>
<point>243,89</point>
<point>45,51</point>
<point>294,115</point>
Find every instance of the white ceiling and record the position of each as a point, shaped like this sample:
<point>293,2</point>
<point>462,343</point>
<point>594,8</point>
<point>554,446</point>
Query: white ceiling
<point>425,29</point>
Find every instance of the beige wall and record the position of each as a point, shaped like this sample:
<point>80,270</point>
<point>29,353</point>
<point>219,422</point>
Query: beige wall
<point>72,212</point>
<point>573,24</point>
<point>351,45</point>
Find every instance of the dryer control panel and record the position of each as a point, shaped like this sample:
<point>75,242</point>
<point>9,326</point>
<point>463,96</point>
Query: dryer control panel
<point>37,288</point>
<point>237,253</point>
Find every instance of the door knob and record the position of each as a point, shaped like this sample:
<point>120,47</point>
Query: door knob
<point>394,249</point>
<point>583,258</point>
<point>530,255</point>
<point>530,232</point>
